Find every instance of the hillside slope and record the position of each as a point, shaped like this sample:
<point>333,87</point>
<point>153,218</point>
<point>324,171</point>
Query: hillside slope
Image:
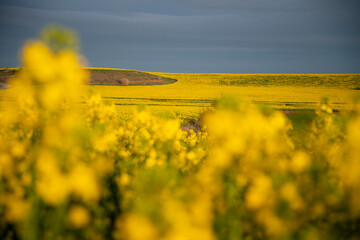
<point>107,77</point>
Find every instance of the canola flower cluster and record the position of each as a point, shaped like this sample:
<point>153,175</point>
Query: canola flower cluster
<point>71,174</point>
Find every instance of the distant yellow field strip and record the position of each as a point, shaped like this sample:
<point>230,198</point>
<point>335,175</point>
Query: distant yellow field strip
<point>194,93</point>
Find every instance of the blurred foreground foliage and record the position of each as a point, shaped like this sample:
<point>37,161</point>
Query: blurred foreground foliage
<point>68,174</point>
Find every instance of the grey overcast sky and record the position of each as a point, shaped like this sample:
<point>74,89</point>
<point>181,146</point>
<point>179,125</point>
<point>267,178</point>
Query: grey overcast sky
<point>232,36</point>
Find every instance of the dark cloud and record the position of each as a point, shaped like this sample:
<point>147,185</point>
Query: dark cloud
<point>197,35</point>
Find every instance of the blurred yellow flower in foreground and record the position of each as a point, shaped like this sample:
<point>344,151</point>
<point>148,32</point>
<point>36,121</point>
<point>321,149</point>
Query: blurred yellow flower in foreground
<point>83,183</point>
<point>78,216</point>
<point>137,227</point>
<point>52,184</point>
<point>260,193</point>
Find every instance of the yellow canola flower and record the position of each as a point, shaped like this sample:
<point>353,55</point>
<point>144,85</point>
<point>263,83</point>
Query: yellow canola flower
<point>123,180</point>
<point>300,161</point>
<point>16,208</point>
<point>74,74</point>
<point>52,184</point>
<point>219,158</point>
<point>97,111</point>
<point>83,182</point>
<point>143,117</point>
<point>17,149</point>
<point>274,225</point>
<point>240,133</point>
<point>153,159</point>
<point>170,129</point>
<point>6,164</point>
<point>260,193</point>
<point>40,62</point>
<point>137,227</point>
<point>350,169</point>
<point>191,156</point>
<point>189,222</point>
<point>78,216</point>
<point>102,166</point>
<point>353,133</point>
<point>326,108</point>
<point>48,79</point>
<point>290,193</point>
<point>105,142</point>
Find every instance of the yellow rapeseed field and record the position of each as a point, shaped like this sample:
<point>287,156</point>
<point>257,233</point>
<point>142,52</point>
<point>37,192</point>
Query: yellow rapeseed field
<point>193,94</point>
<point>78,171</point>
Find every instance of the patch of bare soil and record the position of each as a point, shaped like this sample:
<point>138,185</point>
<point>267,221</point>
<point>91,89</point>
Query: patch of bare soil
<point>106,77</point>
<point>5,74</point>
<point>126,78</point>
